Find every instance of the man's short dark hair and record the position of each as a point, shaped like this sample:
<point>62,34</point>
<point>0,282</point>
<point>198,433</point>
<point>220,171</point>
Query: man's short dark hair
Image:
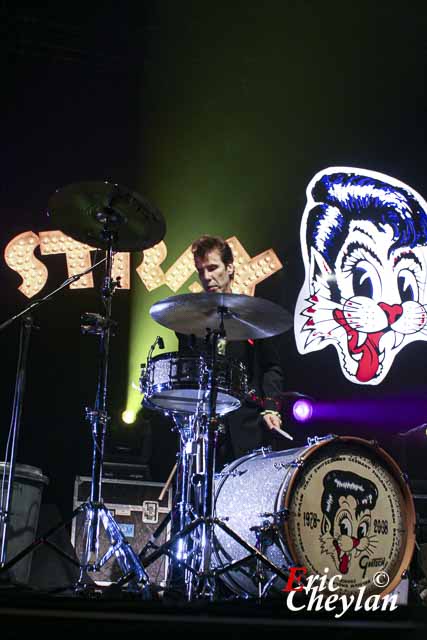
<point>205,244</point>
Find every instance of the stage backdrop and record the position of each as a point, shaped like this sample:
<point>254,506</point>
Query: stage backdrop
<point>293,129</point>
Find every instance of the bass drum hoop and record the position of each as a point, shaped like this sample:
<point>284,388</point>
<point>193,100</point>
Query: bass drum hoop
<point>408,503</point>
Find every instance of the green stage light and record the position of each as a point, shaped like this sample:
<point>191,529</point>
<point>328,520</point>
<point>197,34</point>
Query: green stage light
<point>129,416</point>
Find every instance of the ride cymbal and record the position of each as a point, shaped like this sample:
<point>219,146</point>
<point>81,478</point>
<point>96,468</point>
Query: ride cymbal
<point>244,317</point>
<point>89,211</point>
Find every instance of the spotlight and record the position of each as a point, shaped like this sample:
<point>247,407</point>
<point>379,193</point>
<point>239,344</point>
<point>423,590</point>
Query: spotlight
<point>128,416</point>
<point>302,410</point>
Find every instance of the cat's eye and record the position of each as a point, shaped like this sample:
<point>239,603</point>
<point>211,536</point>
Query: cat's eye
<point>362,284</point>
<point>345,526</point>
<point>362,529</point>
<point>366,280</point>
<point>407,284</point>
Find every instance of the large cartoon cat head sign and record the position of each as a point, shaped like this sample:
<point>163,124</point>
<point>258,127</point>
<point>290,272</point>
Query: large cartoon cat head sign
<point>364,245</point>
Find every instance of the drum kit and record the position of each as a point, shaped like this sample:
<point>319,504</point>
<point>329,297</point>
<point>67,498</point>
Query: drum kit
<point>196,391</point>
<point>240,531</point>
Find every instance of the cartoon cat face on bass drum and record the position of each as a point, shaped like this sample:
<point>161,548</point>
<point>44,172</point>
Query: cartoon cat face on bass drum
<point>363,239</point>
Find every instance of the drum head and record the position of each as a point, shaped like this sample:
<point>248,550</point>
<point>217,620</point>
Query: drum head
<point>351,515</point>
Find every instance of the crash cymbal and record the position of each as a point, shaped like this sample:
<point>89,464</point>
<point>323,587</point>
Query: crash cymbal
<point>244,316</point>
<point>82,210</point>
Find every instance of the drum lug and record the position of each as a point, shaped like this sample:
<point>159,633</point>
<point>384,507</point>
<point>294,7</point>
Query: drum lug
<point>278,516</point>
<point>374,444</point>
<point>230,474</point>
<point>262,450</point>
<point>297,463</point>
<point>318,439</point>
<point>405,478</point>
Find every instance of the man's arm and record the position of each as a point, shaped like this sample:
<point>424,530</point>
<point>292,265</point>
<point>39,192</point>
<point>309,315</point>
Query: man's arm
<point>272,380</point>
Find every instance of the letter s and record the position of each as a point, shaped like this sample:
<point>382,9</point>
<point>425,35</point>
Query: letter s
<point>19,256</point>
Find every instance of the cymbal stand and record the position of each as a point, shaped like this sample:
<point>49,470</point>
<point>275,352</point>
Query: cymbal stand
<point>95,510</point>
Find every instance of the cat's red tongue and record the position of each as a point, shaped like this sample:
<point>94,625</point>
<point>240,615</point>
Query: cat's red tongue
<point>369,362</point>
<point>343,562</point>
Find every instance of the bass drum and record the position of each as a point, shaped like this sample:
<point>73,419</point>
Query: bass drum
<point>339,505</point>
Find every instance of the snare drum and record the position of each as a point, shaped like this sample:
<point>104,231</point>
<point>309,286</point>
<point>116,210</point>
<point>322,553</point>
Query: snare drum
<point>174,383</point>
<point>339,503</point>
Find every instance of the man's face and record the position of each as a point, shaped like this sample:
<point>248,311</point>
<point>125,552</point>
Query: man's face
<point>214,275</point>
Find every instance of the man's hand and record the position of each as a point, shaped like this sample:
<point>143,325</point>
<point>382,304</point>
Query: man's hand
<point>272,420</point>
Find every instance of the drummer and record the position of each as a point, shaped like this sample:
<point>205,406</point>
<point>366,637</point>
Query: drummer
<point>247,428</point>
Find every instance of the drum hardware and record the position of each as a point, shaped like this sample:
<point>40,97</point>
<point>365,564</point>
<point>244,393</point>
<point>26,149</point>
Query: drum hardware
<point>113,218</point>
<point>286,465</point>
<point>263,451</point>
<point>94,324</point>
<point>193,544</point>
<point>319,439</point>
<point>191,547</point>
<point>265,536</point>
<point>183,558</point>
<point>104,210</point>
<point>158,341</point>
<point>226,474</point>
<point>278,516</point>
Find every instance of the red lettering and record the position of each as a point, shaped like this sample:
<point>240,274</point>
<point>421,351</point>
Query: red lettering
<point>293,577</point>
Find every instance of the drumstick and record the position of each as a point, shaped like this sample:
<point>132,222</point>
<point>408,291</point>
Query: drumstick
<point>285,434</point>
<point>168,481</point>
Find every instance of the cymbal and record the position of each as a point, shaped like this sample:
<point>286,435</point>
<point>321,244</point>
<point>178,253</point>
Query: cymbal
<point>83,209</point>
<point>245,317</point>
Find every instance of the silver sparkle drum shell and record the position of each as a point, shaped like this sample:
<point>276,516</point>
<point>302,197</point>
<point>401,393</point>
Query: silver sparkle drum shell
<point>371,531</point>
<point>174,383</point>
<point>245,490</point>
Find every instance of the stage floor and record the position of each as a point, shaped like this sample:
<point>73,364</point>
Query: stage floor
<point>24,611</point>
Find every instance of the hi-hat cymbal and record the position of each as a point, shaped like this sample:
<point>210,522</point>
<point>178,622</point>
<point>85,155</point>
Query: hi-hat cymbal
<point>244,317</point>
<point>85,209</point>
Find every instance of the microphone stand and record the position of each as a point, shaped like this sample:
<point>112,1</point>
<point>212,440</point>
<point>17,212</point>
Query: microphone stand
<point>15,425</point>
<point>10,462</point>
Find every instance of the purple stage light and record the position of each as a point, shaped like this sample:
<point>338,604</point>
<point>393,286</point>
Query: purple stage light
<point>302,410</point>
